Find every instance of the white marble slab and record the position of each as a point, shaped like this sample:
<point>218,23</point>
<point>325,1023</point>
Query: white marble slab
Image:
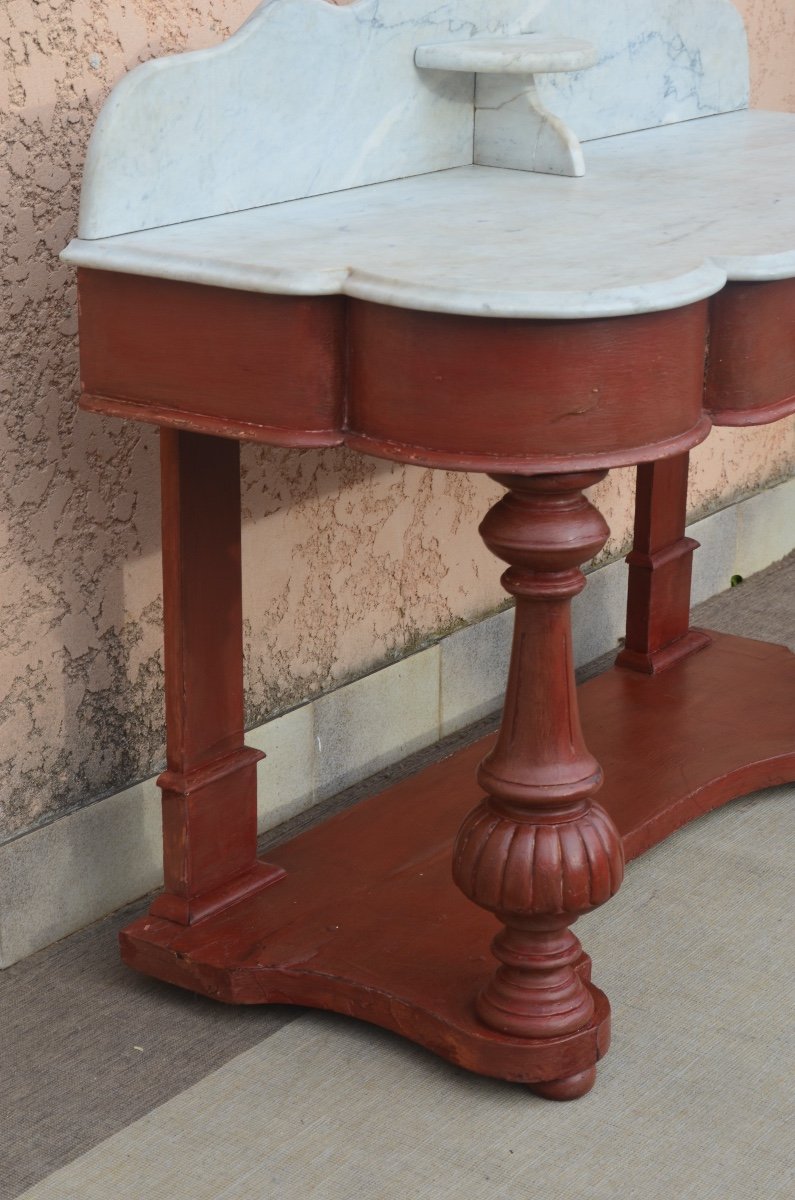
<point>309,98</point>
<point>663,218</point>
<point>306,98</point>
<point>526,55</point>
<point>660,61</point>
<point>513,128</point>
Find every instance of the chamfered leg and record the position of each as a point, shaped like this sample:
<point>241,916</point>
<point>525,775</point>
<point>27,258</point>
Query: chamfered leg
<point>660,570</point>
<point>210,784</point>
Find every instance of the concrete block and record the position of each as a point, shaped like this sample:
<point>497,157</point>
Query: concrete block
<point>599,612</point>
<point>285,779</point>
<point>714,561</point>
<point>374,721</point>
<point>65,875</point>
<point>765,529</point>
<point>474,670</point>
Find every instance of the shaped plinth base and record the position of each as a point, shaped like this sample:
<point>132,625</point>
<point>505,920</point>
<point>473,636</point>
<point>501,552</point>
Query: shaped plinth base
<point>367,920</point>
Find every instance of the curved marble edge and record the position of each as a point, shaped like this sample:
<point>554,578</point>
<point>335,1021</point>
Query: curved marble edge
<point>254,277</point>
<point>630,240</point>
<point>757,268</point>
<point>531,54</point>
<point>655,296</point>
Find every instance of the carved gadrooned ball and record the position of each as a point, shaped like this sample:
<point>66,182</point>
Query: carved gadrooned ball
<point>538,867</point>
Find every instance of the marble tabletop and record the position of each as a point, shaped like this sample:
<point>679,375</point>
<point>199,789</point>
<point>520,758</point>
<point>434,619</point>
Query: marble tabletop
<point>663,218</point>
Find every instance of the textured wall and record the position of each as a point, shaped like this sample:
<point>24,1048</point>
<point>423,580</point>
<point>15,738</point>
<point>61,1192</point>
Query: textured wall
<point>771,35</point>
<point>348,561</point>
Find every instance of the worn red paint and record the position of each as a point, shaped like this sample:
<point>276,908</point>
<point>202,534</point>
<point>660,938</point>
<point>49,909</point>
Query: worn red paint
<point>361,915</point>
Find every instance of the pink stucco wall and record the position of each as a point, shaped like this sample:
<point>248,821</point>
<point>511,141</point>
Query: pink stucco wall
<point>771,37</point>
<point>349,561</point>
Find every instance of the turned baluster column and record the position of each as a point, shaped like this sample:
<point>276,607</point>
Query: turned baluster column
<point>538,851</point>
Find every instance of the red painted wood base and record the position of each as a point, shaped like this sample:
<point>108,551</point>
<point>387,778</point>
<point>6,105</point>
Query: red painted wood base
<point>368,922</point>
<point>660,570</point>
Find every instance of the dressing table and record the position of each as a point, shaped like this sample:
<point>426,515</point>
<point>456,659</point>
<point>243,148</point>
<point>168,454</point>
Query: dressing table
<point>534,240</point>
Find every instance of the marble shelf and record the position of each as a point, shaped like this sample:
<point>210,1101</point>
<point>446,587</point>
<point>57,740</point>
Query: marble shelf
<point>664,218</point>
<point>535,52</point>
<point>512,126</point>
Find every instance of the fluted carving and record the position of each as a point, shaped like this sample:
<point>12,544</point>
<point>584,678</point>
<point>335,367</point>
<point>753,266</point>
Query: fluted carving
<point>538,851</point>
<point>539,867</point>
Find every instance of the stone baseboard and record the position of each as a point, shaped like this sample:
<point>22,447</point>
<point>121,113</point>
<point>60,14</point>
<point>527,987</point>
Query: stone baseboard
<point>60,877</point>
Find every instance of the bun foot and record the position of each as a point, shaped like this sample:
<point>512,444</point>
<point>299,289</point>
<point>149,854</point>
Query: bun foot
<point>570,1088</point>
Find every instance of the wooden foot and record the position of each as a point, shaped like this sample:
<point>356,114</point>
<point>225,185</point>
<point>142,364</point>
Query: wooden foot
<point>210,785</point>
<point>660,571</point>
<point>538,851</point>
<point>570,1088</point>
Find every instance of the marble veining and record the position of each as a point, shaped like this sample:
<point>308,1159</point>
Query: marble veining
<point>660,62</point>
<point>526,55</point>
<point>309,98</point>
<point>513,128</point>
<point>663,218</point>
<point>306,98</point>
